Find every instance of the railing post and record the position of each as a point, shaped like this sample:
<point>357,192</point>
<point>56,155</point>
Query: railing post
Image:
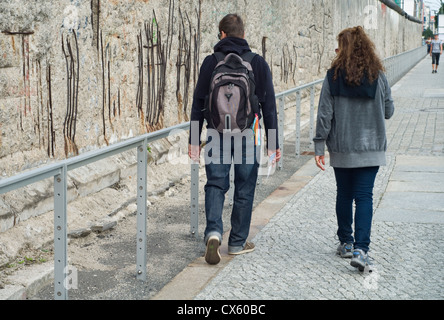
<point>141,242</point>
<point>281,129</point>
<point>194,203</point>
<point>298,123</point>
<point>60,235</point>
<point>194,207</point>
<point>312,119</point>
<point>263,150</point>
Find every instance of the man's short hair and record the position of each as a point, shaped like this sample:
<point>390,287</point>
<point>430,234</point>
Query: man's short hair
<point>232,25</point>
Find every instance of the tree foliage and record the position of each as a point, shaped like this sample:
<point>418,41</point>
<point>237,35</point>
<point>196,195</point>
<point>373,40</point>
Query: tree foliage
<point>428,33</point>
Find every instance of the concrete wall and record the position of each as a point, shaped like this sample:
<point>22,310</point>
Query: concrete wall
<point>74,73</point>
<point>77,75</point>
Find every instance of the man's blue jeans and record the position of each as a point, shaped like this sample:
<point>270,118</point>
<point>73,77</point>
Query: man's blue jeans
<point>219,158</point>
<point>355,184</point>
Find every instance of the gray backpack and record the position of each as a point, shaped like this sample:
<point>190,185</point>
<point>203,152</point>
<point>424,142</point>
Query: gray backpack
<point>232,104</point>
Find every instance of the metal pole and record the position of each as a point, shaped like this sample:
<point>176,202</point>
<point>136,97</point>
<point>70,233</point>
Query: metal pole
<point>263,150</point>
<point>141,253</point>
<point>281,129</point>
<point>298,123</point>
<point>194,223</point>
<point>194,202</point>
<point>312,119</point>
<point>60,235</point>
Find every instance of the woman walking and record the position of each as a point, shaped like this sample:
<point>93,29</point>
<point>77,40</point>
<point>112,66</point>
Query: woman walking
<point>354,103</point>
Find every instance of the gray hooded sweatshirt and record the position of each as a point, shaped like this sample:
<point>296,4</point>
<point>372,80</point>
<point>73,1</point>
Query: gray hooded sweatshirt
<point>353,125</point>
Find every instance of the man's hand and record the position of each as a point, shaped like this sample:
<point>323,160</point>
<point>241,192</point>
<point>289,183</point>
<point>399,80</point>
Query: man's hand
<point>277,157</point>
<point>320,162</point>
<point>194,152</point>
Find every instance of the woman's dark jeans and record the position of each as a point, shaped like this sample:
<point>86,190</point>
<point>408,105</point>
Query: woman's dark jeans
<point>355,184</point>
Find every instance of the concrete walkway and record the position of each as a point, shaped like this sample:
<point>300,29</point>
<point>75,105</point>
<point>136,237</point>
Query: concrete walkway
<point>294,229</point>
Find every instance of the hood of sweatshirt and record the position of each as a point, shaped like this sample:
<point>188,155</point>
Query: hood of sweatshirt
<point>232,45</point>
<point>340,87</point>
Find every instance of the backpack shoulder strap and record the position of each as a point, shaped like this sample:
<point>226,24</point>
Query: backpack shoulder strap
<point>248,56</point>
<point>219,56</point>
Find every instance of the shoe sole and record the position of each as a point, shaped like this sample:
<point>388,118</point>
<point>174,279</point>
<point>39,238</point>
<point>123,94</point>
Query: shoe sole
<point>212,255</point>
<point>241,252</point>
<point>357,264</point>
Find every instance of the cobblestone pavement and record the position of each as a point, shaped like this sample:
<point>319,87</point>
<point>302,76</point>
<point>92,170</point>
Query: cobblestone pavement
<point>295,256</point>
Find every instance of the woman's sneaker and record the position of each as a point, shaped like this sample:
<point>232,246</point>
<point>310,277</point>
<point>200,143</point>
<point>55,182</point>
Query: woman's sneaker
<point>345,250</point>
<point>360,260</point>
<point>212,253</point>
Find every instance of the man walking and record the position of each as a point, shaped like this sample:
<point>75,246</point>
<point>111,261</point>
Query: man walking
<point>227,126</point>
<point>435,53</point>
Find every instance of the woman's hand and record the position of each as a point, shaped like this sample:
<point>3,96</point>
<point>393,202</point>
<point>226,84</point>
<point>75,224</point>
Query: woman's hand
<point>320,162</point>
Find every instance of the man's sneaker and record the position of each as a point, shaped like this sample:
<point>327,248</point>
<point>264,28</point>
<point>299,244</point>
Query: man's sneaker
<point>345,250</point>
<point>360,260</point>
<point>248,247</point>
<point>212,253</point>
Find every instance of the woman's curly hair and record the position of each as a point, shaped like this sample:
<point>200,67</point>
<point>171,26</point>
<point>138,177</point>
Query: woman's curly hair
<point>356,57</point>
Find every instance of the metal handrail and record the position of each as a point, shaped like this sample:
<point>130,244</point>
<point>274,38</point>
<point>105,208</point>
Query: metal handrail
<point>28,177</point>
<point>59,171</point>
<point>395,70</point>
<point>302,87</point>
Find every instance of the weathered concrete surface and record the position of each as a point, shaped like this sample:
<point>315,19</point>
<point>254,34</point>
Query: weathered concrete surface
<point>70,72</point>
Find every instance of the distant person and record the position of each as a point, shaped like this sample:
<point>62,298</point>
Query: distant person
<point>222,127</point>
<point>355,100</point>
<point>435,53</point>
<point>428,42</point>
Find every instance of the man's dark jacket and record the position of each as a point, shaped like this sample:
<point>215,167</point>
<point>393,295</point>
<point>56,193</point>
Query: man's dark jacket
<point>262,76</point>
